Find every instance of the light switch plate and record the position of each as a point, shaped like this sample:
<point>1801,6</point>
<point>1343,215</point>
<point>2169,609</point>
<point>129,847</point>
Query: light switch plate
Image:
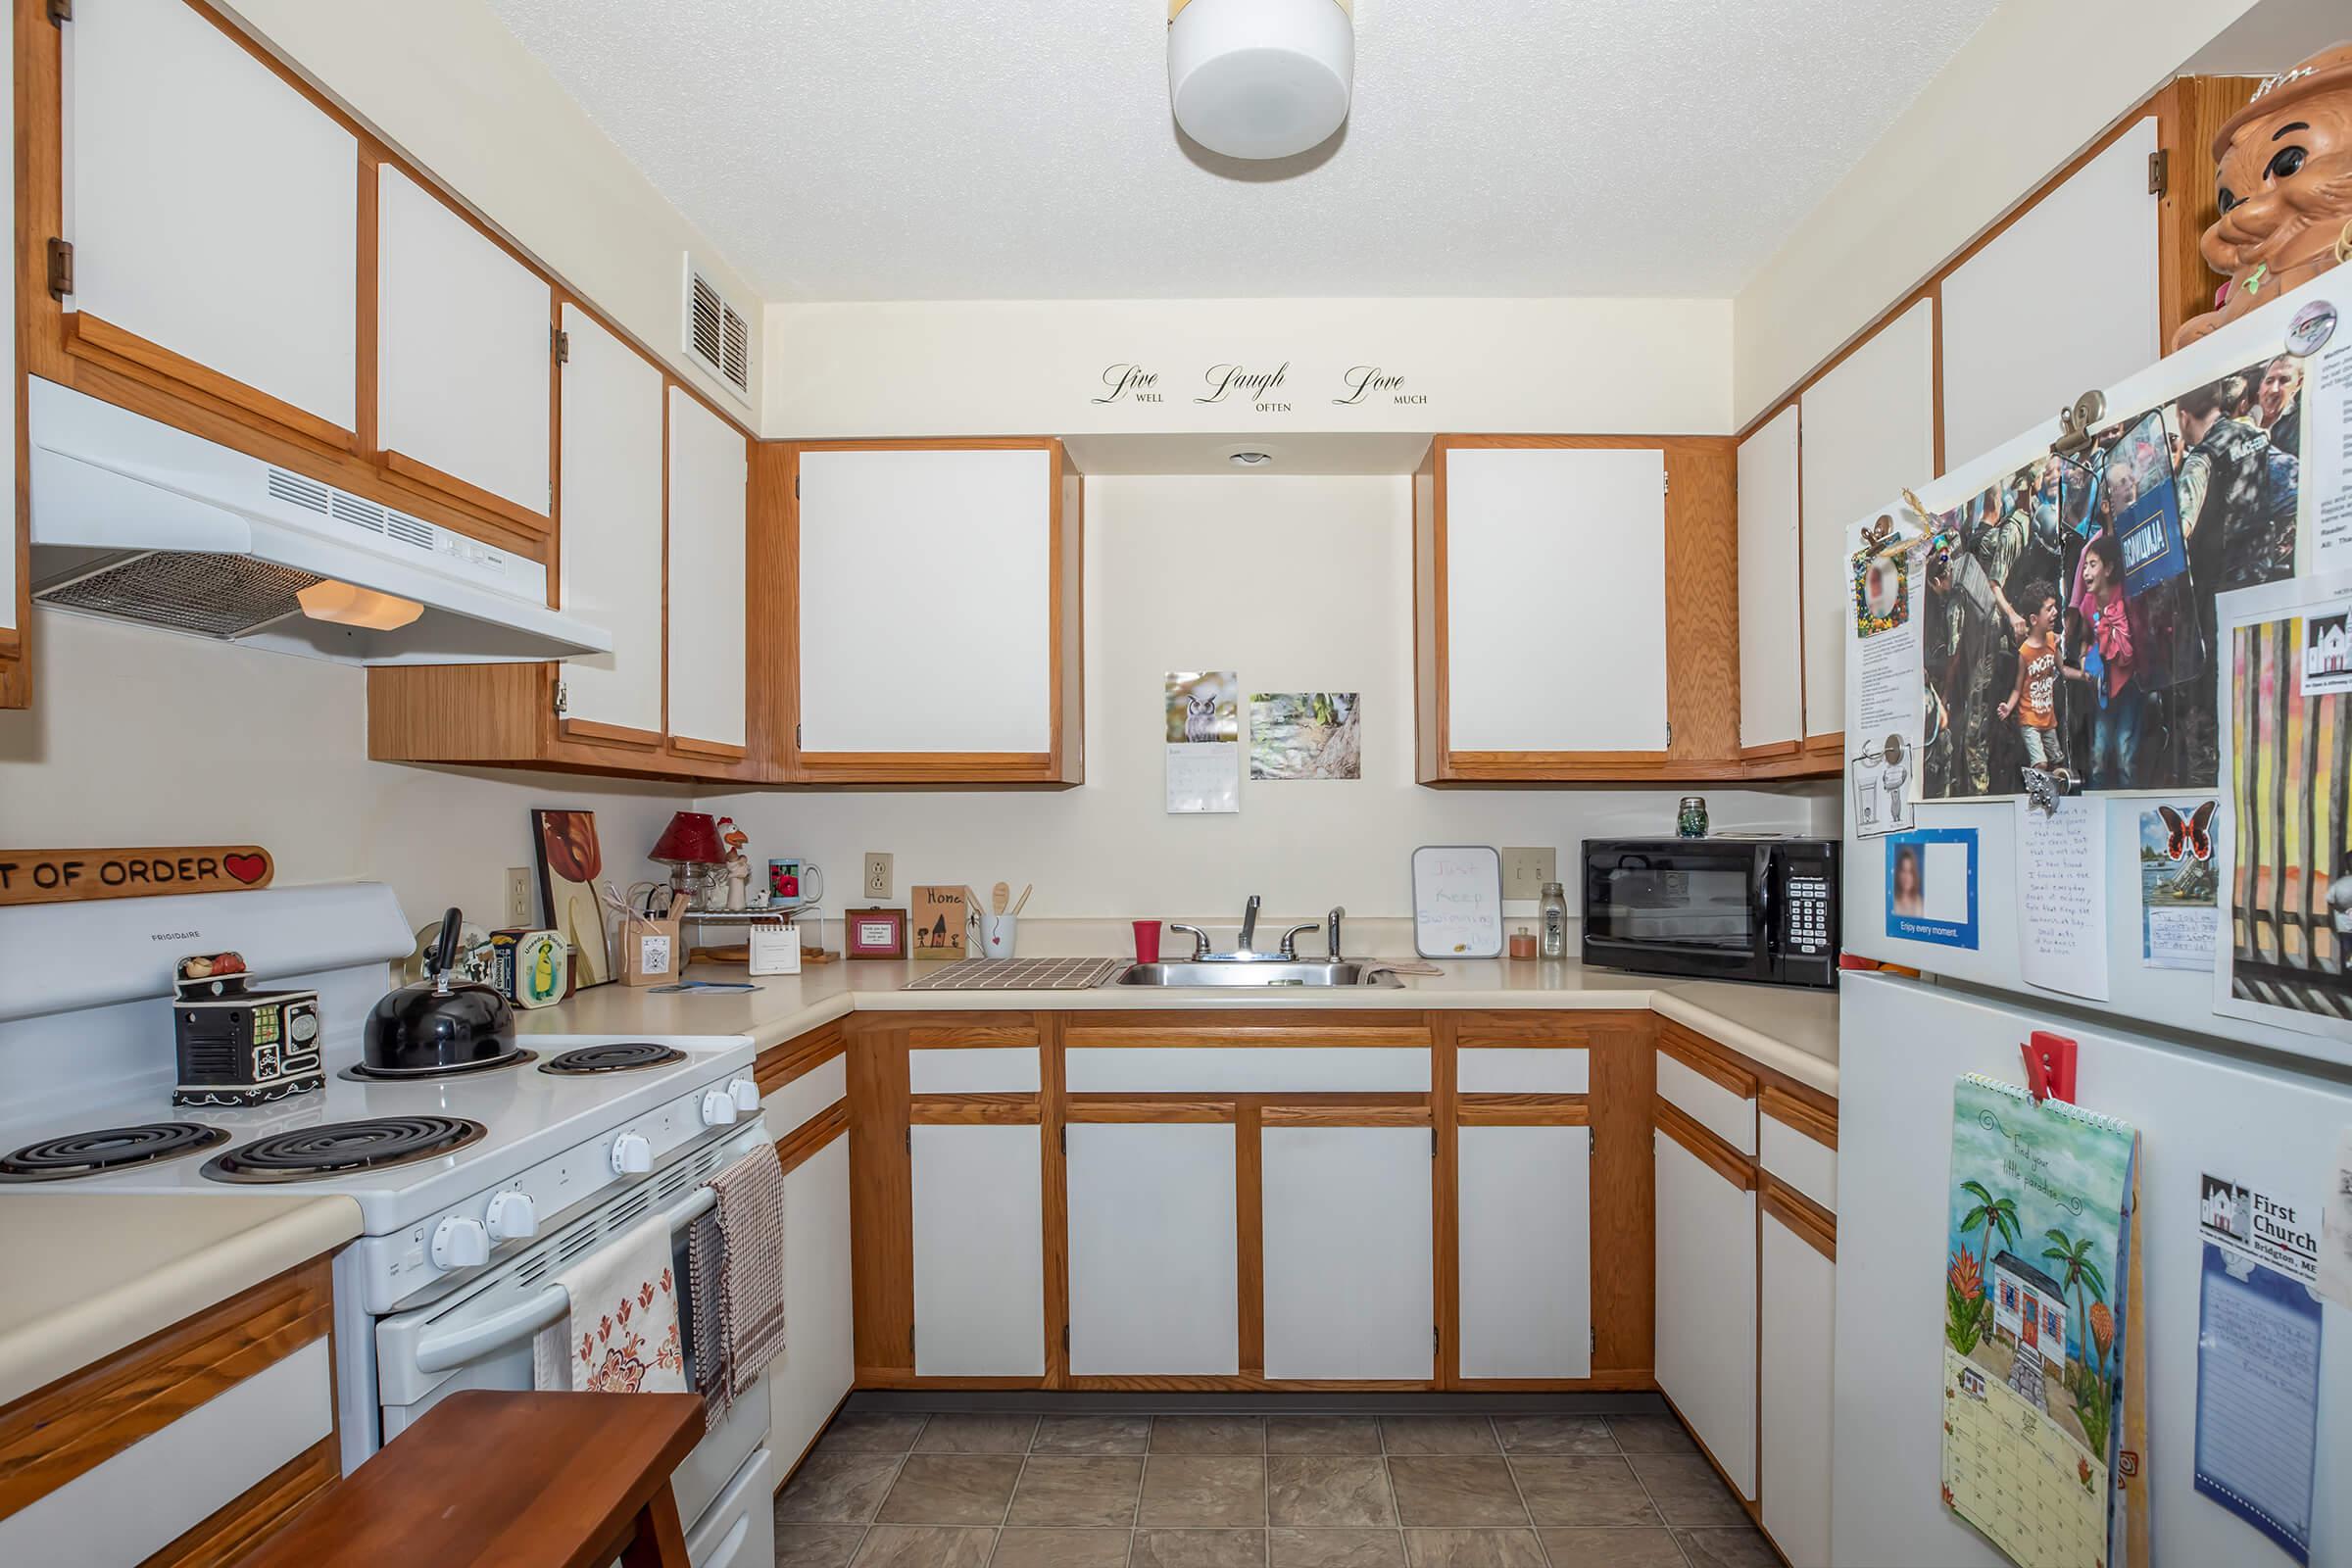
<point>1526,870</point>
<point>878,875</point>
<point>519,896</point>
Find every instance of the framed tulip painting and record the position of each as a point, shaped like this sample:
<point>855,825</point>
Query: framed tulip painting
<point>570,863</point>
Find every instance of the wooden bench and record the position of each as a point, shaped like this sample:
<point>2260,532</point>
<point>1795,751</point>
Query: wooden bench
<point>519,1479</point>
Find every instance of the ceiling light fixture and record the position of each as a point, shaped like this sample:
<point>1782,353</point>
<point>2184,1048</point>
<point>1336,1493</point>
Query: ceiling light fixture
<point>1260,78</point>
<point>1250,460</point>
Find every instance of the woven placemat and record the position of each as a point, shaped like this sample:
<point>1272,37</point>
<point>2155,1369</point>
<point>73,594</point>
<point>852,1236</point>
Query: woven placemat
<point>1021,974</point>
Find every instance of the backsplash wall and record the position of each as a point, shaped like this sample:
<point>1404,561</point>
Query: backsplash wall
<point>1297,584</point>
<point>143,738</point>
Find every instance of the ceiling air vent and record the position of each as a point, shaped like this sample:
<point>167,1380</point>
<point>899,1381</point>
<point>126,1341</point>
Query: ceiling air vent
<point>717,334</point>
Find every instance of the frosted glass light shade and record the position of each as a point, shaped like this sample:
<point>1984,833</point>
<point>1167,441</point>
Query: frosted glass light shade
<point>1260,78</point>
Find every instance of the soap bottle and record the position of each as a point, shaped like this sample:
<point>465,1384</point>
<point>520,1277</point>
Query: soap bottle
<point>1555,921</point>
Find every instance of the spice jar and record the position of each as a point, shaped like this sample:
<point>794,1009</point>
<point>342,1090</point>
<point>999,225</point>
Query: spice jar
<point>1523,943</point>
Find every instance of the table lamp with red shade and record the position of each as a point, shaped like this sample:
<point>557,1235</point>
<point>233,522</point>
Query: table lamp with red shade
<point>690,848</point>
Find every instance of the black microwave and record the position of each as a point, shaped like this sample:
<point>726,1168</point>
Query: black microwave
<point>1762,910</point>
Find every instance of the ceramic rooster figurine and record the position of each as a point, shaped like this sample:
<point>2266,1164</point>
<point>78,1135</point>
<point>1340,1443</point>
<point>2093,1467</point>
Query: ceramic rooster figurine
<point>2285,172</point>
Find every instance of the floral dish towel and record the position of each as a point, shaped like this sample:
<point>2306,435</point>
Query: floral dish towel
<point>621,1334</point>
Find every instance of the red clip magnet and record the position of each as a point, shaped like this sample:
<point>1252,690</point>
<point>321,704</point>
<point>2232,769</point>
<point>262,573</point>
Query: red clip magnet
<point>2049,1066</point>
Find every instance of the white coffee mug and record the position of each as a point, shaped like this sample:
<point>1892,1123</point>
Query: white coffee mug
<point>996,935</point>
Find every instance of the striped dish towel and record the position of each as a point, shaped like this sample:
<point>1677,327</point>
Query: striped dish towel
<point>705,1268</point>
<point>750,1287</point>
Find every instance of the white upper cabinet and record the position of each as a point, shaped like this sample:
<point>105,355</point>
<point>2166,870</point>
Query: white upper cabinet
<point>612,553</point>
<point>1771,664</point>
<point>1348,1242</point>
<point>709,477</point>
<point>1868,428</point>
<point>463,344</point>
<point>927,600</point>
<point>2020,340</point>
<point>1155,1256</point>
<point>213,209</point>
<point>1556,599</point>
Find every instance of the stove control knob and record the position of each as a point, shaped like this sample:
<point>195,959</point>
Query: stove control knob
<point>747,1094</point>
<point>512,1217</point>
<point>460,1243</point>
<point>632,1155</point>
<point>719,1111</point>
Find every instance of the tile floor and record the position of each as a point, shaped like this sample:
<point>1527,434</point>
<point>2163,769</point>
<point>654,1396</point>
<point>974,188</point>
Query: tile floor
<point>1287,1491</point>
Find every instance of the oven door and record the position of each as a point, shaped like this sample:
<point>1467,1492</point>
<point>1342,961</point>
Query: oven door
<point>1662,907</point>
<point>481,1337</point>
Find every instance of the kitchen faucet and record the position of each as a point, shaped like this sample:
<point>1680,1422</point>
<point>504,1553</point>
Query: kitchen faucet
<point>1244,948</point>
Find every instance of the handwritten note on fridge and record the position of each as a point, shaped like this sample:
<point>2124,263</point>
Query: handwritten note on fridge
<point>2062,895</point>
<point>1457,902</point>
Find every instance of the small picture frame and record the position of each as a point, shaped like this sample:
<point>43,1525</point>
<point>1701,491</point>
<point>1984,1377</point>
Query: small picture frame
<point>873,933</point>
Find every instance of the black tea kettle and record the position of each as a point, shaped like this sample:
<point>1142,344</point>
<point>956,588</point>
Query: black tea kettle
<point>439,1024</point>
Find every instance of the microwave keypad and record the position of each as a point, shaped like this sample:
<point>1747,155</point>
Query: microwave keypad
<point>1809,913</point>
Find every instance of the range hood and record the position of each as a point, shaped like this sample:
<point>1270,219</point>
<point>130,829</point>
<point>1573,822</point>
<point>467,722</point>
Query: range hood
<point>135,520</point>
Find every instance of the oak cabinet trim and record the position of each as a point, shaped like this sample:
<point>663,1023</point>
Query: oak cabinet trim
<point>1712,1152</point>
<point>1807,1220</point>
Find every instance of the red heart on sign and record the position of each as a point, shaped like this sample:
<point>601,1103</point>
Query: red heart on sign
<point>246,868</point>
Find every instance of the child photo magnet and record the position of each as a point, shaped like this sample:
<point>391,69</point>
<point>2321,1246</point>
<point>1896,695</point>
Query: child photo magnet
<point>1932,886</point>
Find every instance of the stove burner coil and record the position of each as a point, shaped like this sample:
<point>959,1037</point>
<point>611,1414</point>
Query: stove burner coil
<point>342,1148</point>
<point>105,1149</point>
<point>616,1058</point>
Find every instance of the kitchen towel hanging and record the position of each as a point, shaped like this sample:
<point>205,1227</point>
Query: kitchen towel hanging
<point>751,1285</point>
<point>620,1335</point>
<point>706,1272</point>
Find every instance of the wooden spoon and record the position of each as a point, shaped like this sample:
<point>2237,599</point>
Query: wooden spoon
<point>999,896</point>
<point>1024,900</point>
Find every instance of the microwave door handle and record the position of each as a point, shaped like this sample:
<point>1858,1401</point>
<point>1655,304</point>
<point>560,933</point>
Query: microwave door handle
<point>439,1352</point>
<point>1769,934</point>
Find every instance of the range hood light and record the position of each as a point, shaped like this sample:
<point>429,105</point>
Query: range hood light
<point>348,606</point>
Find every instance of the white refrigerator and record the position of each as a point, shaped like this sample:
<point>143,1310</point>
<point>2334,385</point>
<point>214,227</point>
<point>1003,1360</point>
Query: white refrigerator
<point>2248,1101</point>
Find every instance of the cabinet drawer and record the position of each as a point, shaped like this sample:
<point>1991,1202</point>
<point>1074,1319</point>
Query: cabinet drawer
<point>993,1069</point>
<point>1538,1071</point>
<point>1730,1116</point>
<point>1793,1157</point>
<point>1272,1069</point>
<point>790,1105</point>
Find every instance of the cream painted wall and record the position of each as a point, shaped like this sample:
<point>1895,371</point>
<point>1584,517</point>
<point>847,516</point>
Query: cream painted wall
<point>444,82</point>
<point>2034,87</point>
<point>143,738</point>
<point>1656,367</point>
<point>1294,583</point>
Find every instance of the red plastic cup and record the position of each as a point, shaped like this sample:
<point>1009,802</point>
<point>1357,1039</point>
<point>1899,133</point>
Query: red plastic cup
<point>1146,941</point>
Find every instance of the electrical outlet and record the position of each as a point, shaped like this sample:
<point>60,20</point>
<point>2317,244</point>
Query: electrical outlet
<point>521,897</point>
<point>878,875</point>
<point>1526,870</point>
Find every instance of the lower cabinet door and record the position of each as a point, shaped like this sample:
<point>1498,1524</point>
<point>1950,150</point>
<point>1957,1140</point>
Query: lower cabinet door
<point>1706,1312</point>
<point>979,1252</point>
<point>1154,1264</point>
<point>1346,1226</point>
<point>819,1362</point>
<point>1526,1252</point>
<point>1799,1323</point>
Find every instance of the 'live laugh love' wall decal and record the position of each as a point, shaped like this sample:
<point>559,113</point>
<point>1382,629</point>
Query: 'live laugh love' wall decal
<point>1260,390</point>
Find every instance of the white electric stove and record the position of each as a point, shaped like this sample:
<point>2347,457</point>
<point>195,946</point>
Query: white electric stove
<point>472,1188</point>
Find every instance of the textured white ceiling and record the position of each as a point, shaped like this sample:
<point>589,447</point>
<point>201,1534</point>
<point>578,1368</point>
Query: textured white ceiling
<point>1022,149</point>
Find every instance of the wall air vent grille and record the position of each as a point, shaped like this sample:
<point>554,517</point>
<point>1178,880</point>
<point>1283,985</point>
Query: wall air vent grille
<point>359,513</point>
<point>297,491</point>
<point>408,530</point>
<point>209,595</point>
<point>719,335</point>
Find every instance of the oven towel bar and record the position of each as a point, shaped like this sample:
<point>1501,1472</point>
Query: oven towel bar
<point>439,1352</point>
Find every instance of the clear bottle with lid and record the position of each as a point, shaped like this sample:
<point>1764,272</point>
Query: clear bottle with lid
<point>1554,941</point>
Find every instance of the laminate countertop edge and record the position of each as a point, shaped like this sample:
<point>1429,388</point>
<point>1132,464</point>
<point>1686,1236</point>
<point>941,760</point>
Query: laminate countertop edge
<point>1788,1030</point>
<point>91,1274</point>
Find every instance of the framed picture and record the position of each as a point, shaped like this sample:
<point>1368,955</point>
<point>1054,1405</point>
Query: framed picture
<point>570,863</point>
<point>873,933</point>
<point>936,921</point>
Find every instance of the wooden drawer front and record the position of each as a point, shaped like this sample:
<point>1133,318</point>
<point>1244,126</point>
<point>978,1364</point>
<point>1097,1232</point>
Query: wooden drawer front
<point>146,1496</point>
<point>1276,1070</point>
<point>1796,1160</point>
<point>1538,1071</point>
<point>1003,1069</point>
<point>811,1092</point>
<point>1729,1117</point>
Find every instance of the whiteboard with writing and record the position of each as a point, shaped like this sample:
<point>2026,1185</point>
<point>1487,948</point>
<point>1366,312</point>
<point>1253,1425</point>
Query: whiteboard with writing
<point>1457,902</point>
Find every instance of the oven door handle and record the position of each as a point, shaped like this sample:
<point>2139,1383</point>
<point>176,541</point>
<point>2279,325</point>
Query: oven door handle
<point>440,1352</point>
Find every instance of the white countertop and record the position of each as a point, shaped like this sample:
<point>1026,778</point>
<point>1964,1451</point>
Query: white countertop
<point>1788,1030</point>
<point>94,1273</point>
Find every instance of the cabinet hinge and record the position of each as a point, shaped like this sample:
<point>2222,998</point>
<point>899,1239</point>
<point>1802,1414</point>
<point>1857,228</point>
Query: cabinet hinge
<point>562,699</point>
<point>1433,1143</point>
<point>1665,484</point>
<point>1062,1138</point>
<point>1670,732</point>
<point>562,345</point>
<point>60,12</point>
<point>2160,173</point>
<point>61,268</point>
<point>1065,1338</point>
<point>911,1139</point>
<point>1433,1338</point>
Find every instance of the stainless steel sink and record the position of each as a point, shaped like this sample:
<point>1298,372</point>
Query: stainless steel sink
<point>1262,974</point>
